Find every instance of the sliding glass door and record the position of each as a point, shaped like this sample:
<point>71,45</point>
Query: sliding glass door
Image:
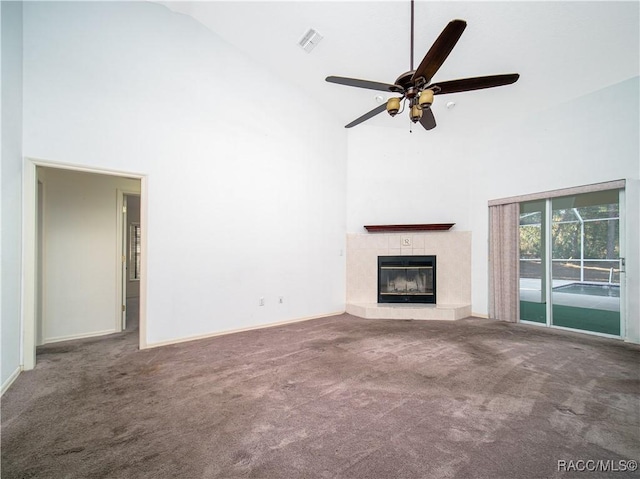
<point>586,262</point>
<point>570,262</point>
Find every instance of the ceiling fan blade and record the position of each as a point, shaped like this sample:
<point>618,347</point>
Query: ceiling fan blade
<point>428,121</point>
<point>366,116</point>
<point>370,85</point>
<point>476,83</point>
<point>440,50</point>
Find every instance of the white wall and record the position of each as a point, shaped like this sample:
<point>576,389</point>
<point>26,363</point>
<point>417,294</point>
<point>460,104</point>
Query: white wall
<point>632,237</point>
<point>81,271</point>
<point>10,172</point>
<point>398,177</point>
<point>588,140</point>
<point>246,176</point>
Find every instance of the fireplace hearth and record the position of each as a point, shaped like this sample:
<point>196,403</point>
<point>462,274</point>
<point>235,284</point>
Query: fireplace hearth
<point>407,279</point>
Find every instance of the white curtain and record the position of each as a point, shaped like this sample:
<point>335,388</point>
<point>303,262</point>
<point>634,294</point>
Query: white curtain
<point>504,262</point>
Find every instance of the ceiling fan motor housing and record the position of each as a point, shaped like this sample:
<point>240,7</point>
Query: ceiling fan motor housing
<point>404,80</point>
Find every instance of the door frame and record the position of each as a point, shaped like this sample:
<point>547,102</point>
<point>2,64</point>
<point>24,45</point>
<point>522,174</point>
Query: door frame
<point>30,245</point>
<point>548,266</point>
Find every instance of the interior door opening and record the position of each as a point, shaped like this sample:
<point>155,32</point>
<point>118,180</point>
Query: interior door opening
<point>78,253</point>
<point>57,279</point>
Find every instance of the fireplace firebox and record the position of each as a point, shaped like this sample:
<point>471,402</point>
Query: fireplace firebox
<point>407,279</point>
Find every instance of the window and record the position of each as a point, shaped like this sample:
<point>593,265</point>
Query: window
<point>134,251</point>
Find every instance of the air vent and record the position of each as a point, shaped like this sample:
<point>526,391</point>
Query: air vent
<point>310,40</point>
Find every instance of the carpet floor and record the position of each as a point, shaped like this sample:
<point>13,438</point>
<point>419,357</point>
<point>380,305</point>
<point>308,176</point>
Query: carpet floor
<point>337,397</point>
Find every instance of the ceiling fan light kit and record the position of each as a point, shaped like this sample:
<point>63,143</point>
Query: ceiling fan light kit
<point>393,106</point>
<point>415,85</point>
<point>426,98</point>
<point>416,113</point>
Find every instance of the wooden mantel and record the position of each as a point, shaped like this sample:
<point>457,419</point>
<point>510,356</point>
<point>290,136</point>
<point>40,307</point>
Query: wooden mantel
<point>397,228</point>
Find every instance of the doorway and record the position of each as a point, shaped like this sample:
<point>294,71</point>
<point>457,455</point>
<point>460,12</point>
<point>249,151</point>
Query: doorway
<point>571,263</point>
<point>73,253</point>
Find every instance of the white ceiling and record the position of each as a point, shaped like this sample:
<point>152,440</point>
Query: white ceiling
<point>561,49</point>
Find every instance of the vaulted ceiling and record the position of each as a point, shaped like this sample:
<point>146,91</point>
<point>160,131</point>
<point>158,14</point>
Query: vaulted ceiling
<point>562,49</point>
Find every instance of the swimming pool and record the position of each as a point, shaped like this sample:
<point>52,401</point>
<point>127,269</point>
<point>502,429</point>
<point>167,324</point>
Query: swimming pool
<point>610,290</point>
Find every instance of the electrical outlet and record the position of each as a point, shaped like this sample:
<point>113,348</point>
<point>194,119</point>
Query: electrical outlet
<point>261,302</point>
<point>406,241</point>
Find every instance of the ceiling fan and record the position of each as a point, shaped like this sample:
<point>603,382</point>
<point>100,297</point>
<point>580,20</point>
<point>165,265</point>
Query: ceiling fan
<point>415,87</point>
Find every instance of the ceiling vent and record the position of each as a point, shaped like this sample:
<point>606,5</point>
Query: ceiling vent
<point>310,40</point>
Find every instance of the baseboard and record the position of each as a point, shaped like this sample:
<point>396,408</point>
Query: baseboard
<point>478,315</point>
<point>14,375</point>
<point>78,336</point>
<point>239,330</point>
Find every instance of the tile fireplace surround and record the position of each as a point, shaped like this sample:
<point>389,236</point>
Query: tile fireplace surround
<point>453,281</point>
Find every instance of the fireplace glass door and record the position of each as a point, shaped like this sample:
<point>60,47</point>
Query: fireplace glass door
<point>406,279</point>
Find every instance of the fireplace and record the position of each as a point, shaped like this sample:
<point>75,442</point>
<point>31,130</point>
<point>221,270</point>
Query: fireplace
<point>407,279</point>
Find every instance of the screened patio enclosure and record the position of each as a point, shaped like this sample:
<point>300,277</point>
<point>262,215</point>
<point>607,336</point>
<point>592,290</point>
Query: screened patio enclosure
<point>570,262</point>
